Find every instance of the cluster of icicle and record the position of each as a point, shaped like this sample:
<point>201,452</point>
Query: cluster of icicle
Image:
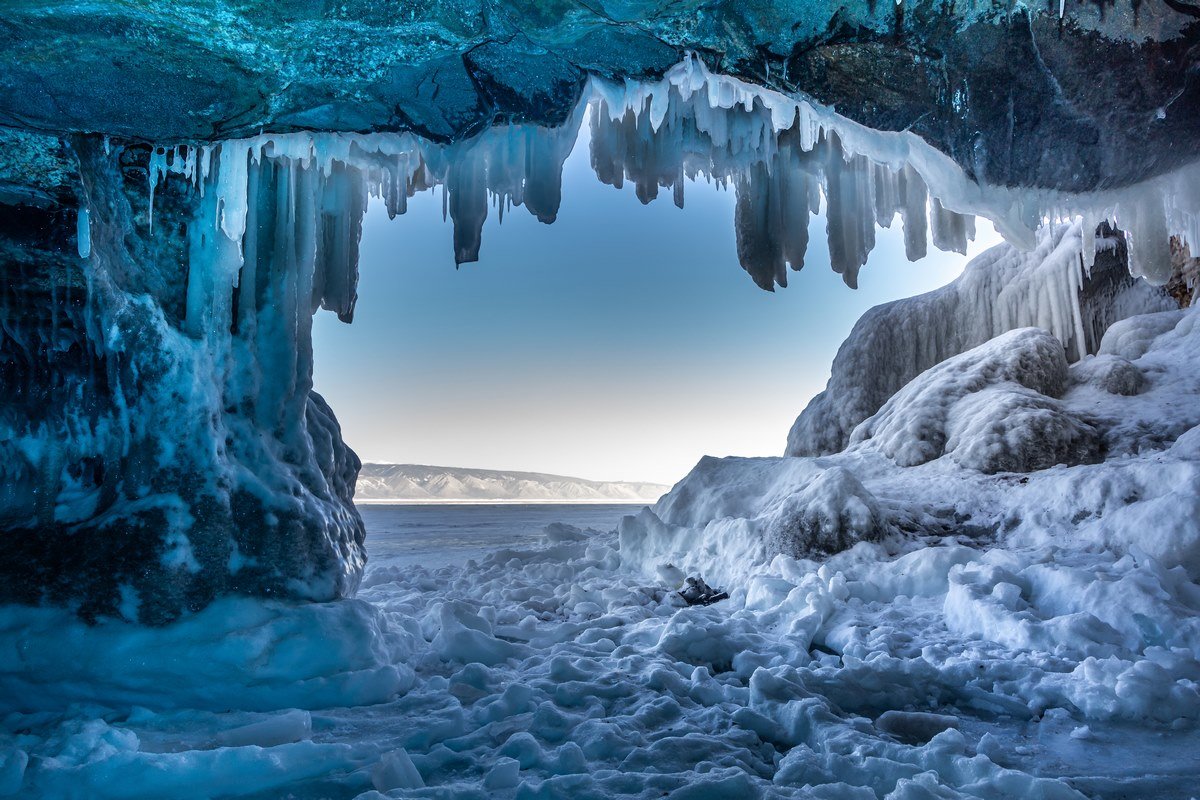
<point>879,171</point>
<point>786,158</point>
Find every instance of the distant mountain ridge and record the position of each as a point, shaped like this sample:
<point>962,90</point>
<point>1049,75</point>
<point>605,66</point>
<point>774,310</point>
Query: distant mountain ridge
<point>429,483</point>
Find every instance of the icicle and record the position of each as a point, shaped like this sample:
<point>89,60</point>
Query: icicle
<point>155,172</point>
<point>780,153</point>
<point>83,233</point>
<point>1149,240</point>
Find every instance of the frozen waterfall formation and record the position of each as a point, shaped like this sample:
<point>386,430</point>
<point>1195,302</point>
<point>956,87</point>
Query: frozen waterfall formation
<point>174,213</point>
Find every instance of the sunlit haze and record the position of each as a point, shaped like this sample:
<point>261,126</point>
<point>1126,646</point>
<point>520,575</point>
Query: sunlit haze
<point>620,343</point>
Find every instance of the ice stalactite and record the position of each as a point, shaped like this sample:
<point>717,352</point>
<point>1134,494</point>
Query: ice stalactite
<point>515,165</point>
<point>788,160</point>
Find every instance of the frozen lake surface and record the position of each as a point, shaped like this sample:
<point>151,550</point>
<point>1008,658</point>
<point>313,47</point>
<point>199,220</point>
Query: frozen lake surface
<point>439,534</point>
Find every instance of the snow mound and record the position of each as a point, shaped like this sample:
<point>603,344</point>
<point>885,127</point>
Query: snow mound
<point>1109,373</point>
<point>729,512</point>
<point>991,408</point>
<point>236,654</point>
<point>1131,338</point>
<point>1006,429</point>
<point>831,513</point>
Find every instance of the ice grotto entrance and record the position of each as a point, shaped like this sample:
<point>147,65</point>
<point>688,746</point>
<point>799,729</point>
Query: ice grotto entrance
<point>252,492</point>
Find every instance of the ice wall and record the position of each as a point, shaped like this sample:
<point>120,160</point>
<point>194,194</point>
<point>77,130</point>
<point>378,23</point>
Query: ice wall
<point>170,449</point>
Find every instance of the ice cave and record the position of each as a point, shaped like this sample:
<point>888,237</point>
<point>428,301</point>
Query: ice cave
<point>971,571</point>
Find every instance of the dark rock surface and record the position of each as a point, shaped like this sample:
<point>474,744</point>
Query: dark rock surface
<point>1104,96</point>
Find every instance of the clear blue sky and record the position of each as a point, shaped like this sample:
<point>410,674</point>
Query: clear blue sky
<point>623,342</point>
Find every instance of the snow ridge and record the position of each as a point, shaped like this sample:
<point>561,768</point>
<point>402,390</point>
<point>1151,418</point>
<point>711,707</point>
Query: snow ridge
<point>395,482</point>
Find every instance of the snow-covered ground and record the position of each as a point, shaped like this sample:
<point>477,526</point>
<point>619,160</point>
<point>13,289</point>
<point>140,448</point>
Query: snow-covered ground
<point>991,592</point>
<point>555,672</point>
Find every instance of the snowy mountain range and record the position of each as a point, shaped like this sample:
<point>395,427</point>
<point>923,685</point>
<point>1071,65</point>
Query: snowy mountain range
<point>420,482</point>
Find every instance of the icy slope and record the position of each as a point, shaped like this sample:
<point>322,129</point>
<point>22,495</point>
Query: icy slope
<point>419,482</point>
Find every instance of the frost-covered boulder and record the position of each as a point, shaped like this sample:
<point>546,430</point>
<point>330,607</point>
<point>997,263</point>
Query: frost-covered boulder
<point>831,513</point>
<point>991,408</point>
<point>1001,290</point>
<point>1108,373</point>
<point>1014,429</point>
<point>728,514</point>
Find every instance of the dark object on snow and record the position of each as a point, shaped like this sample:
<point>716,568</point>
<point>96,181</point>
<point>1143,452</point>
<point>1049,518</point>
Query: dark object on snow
<point>699,593</point>
<point>915,727</point>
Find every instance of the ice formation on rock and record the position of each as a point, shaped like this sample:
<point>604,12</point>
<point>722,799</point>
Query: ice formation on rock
<point>992,408</point>
<point>184,455</point>
<point>991,84</point>
<point>908,617</point>
<point>1001,290</point>
<point>190,459</point>
<point>1096,438</point>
